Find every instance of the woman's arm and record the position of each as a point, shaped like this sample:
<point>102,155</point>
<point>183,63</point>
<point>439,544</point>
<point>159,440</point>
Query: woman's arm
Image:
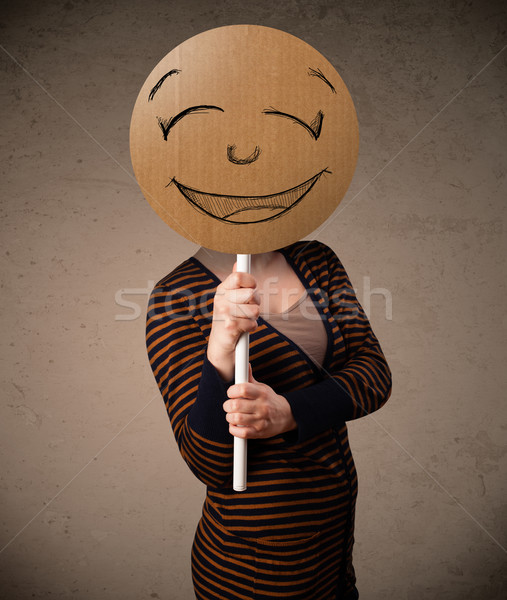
<point>351,390</point>
<point>191,387</point>
<point>193,373</point>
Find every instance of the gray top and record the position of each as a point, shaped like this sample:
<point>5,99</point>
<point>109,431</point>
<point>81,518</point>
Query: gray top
<point>303,324</point>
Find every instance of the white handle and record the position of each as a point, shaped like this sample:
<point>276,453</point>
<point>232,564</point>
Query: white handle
<point>241,376</point>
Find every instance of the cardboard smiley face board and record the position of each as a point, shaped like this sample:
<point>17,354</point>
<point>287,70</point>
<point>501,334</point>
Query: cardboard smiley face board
<point>244,139</point>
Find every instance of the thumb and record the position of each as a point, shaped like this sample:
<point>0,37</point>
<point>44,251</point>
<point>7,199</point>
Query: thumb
<point>250,374</point>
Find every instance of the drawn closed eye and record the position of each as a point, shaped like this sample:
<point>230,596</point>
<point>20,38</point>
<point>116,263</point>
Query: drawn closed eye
<point>314,128</point>
<point>166,124</point>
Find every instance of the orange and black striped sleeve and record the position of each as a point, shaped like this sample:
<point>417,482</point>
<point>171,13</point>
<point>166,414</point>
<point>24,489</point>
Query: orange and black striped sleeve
<point>192,390</point>
<point>352,388</point>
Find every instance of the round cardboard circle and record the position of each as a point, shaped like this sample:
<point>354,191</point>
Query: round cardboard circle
<point>244,139</point>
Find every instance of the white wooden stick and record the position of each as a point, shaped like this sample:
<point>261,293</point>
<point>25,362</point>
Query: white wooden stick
<point>241,376</point>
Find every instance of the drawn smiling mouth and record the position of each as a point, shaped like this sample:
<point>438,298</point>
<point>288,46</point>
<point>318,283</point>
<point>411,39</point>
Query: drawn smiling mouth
<point>247,209</point>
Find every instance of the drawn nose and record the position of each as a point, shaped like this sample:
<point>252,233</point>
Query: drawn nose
<point>231,155</point>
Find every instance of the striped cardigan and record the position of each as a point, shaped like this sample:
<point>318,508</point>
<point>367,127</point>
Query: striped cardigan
<point>290,535</point>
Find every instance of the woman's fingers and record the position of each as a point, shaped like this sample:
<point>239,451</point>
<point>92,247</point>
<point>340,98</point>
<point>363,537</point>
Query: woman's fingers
<point>235,299</point>
<point>246,433</point>
<point>244,325</point>
<point>255,410</point>
<point>245,425</point>
<point>244,311</point>
<point>244,390</point>
<point>243,296</point>
<point>235,281</point>
<point>235,311</point>
<point>242,419</point>
<point>240,406</point>
<point>245,414</point>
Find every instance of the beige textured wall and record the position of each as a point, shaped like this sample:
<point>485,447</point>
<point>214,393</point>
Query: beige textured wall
<point>95,501</point>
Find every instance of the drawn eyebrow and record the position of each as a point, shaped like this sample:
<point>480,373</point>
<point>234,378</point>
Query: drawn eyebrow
<point>166,124</point>
<point>313,129</point>
<point>318,73</point>
<point>156,87</point>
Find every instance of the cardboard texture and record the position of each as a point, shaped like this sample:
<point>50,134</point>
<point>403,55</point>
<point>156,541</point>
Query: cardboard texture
<point>244,139</point>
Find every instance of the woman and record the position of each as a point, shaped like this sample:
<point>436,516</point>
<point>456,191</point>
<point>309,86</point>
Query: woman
<point>315,364</point>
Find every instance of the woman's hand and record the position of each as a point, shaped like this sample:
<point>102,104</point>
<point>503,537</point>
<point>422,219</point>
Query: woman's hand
<point>255,410</point>
<point>235,311</point>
